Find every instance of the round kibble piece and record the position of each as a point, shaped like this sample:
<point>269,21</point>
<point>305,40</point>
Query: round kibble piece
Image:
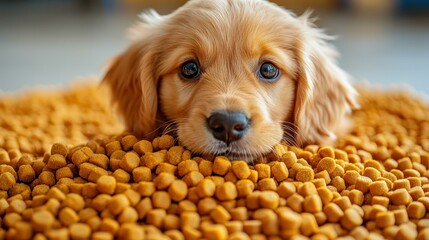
<point>106,184</point>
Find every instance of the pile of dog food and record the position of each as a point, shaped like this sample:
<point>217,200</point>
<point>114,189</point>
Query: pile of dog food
<point>67,171</point>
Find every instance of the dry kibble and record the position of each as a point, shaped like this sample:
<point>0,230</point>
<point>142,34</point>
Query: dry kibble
<point>295,202</point>
<point>263,170</point>
<point>106,184</point>
<point>142,174</point>
<point>326,163</point>
<point>226,191</point>
<point>304,174</point>
<point>155,217</point>
<point>68,216</point>
<point>312,203</point>
<point>267,184</point>
<point>269,199</point>
<point>221,165</point>
<point>351,219</point>
<point>399,197</point>
<point>308,224</point>
<point>193,178</point>
<point>79,231</point>
<point>118,203</point>
<point>152,160</point>
<point>378,188</point>
<point>161,199</point>
<point>6,180</point>
<point>220,215</point>
<point>190,219</point>
<point>384,219</point>
<point>333,212</point>
<point>416,210</point>
<point>186,206</point>
<point>205,205</point>
<point>205,167</point>
<point>406,232</point>
<point>186,167</point>
<point>362,183</point>
<point>373,185</point>
<point>163,180</point>
<point>215,232</point>
<point>99,160</point>
<point>240,169</point>
<point>129,161</point>
<point>252,227</point>
<point>206,188</point>
<point>178,190</point>
<point>143,146</point>
<point>129,214</point>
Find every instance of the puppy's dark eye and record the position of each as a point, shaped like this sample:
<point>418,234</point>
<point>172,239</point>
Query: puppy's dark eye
<point>190,70</point>
<point>268,72</point>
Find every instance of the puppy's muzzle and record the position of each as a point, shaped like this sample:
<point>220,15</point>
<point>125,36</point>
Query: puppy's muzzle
<point>228,126</point>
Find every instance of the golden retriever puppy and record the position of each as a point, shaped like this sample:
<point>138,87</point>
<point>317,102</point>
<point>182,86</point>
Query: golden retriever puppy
<point>231,77</point>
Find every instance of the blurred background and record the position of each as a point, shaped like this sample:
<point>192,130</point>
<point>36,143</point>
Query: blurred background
<point>53,42</point>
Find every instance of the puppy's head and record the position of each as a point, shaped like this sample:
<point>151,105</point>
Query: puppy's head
<point>234,77</point>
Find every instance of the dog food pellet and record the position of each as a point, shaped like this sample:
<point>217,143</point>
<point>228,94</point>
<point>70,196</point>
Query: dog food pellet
<point>190,219</point>
<point>178,190</point>
<point>163,180</point>
<point>129,161</point>
<point>308,224</point>
<point>193,178</point>
<point>205,205</point>
<point>263,170</point>
<point>205,167</point>
<point>6,181</point>
<point>307,189</point>
<point>240,169</point>
<point>186,167</point>
<point>226,191</point>
<point>384,219</point>
<point>400,197</point>
<point>312,203</point>
<point>406,232</point>
<point>206,188</point>
<point>161,199</point>
<point>378,188</point>
<point>304,174</point>
<point>269,199</point>
<point>221,165</point>
<point>106,184</point>
<point>142,147</point>
<point>234,226</point>
<point>351,219</point>
<point>267,184</point>
<point>79,231</point>
<point>220,215</point>
<point>326,163</point>
<point>152,160</point>
<point>215,232</point>
<point>416,210</point>
<point>252,227</point>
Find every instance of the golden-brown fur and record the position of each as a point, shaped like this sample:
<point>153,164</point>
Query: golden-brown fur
<point>230,39</point>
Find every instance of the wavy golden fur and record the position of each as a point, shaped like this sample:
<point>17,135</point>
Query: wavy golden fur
<point>308,103</point>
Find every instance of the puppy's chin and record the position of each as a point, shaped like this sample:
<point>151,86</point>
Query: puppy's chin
<point>256,143</point>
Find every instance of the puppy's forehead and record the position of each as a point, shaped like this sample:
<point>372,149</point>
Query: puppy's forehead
<point>208,27</point>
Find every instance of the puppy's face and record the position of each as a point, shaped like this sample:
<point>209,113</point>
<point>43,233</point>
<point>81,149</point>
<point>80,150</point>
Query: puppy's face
<point>228,84</point>
<point>232,77</point>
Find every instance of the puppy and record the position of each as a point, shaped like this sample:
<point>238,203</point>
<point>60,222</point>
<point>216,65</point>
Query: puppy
<point>231,77</point>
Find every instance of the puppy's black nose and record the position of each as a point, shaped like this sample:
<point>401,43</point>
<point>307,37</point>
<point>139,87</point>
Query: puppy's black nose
<point>228,126</point>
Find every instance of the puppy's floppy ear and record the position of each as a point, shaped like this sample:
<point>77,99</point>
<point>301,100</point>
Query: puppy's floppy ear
<point>132,80</point>
<point>324,94</point>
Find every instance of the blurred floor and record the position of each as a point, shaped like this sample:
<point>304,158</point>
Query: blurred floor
<point>57,42</point>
